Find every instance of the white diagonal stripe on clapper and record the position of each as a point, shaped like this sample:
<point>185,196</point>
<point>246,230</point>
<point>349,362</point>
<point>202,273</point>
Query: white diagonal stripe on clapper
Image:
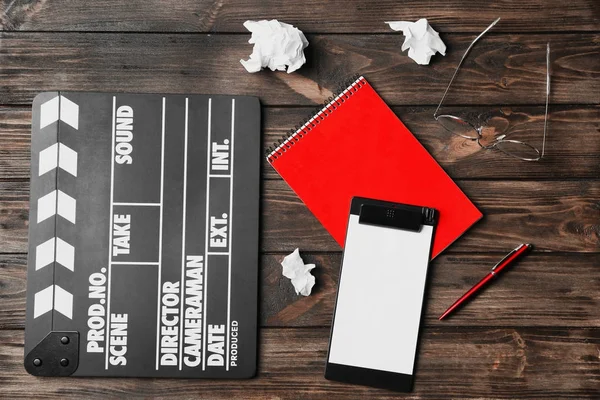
<point>63,302</point>
<point>67,159</point>
<point>49,112</point>
<point>44,254</point>
<point>46,206</point>
<point>58,155</point>
<point>48,159</point>
<point>57,202</point>
<point>42,301</point>
<point>65,254</point>
<point>69,112</point>
<point>66,206</point>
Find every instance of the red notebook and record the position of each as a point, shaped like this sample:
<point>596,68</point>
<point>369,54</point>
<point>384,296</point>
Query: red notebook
<point>356,146</point>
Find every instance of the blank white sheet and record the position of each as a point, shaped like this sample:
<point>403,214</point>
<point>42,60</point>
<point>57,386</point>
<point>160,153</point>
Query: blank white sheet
<point>380,297</point>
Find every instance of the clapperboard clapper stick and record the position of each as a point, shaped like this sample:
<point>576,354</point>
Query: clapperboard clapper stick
<point>143,238</point>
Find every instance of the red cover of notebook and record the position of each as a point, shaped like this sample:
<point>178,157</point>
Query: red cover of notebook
<point>356,146</point>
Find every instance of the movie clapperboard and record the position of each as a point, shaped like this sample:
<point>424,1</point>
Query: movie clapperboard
<point>143,235</point>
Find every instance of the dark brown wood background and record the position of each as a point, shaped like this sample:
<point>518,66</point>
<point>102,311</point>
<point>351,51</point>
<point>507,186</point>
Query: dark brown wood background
<point>536,334</point>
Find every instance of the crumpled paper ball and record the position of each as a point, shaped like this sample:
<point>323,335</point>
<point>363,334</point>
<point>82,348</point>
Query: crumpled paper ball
<point>421,40</point>
<point>299,273</point>
<point>277,45</point>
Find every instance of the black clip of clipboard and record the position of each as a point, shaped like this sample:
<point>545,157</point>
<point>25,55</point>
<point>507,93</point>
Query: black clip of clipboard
<point>396,216</point>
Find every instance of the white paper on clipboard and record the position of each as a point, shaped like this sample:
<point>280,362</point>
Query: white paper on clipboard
<point>380,296</point>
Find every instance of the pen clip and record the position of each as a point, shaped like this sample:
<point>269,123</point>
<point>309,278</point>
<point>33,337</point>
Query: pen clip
<point>506,256</point>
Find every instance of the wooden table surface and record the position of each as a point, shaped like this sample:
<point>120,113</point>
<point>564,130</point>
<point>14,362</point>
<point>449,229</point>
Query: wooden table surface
<point>535,335</point>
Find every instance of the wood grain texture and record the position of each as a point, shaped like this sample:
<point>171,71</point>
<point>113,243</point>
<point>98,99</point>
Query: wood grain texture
<point>542,290</point>
<point>13,272</point>
<point>572,145</point>
<point>572,149</point>
<point>15,143</point>
<point>499,363</point>
<point>534,335</point>
<point>14,217</point>
<point>502,69</point>
<point>553,215</point>
<point>536,292</point>
<point>336,16</point>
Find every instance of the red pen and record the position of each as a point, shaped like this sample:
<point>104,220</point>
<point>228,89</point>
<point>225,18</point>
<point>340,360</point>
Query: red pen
<point>496,269</point>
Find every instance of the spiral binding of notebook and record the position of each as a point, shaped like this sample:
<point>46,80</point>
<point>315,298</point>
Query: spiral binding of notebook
<point>346,90</point>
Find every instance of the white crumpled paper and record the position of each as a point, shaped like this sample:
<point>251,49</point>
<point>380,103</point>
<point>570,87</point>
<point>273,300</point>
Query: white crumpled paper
<point>421,40</point>
<point>276,45</point>
<point>299,273</point>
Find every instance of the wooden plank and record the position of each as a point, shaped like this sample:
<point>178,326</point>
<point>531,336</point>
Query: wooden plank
<point>570,152</point>
<point>538,292</point>
<point>554,215</point>
<point>502,69</point>
<point>13,273</point>
<point>572,136</point>
<point>15,143</point>
<point>337,16</point>
<point>499,363</point>
<point>14,214</point>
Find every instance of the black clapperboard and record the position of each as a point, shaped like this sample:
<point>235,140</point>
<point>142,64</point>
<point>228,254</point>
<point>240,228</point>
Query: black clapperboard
<point>143,235</point>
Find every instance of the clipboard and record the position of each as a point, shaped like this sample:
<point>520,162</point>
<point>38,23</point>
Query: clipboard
<point>375,329</point>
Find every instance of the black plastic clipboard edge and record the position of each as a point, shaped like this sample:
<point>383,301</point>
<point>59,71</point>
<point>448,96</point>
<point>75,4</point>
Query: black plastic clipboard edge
<point>369,377</point>
<point>366,376</point>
